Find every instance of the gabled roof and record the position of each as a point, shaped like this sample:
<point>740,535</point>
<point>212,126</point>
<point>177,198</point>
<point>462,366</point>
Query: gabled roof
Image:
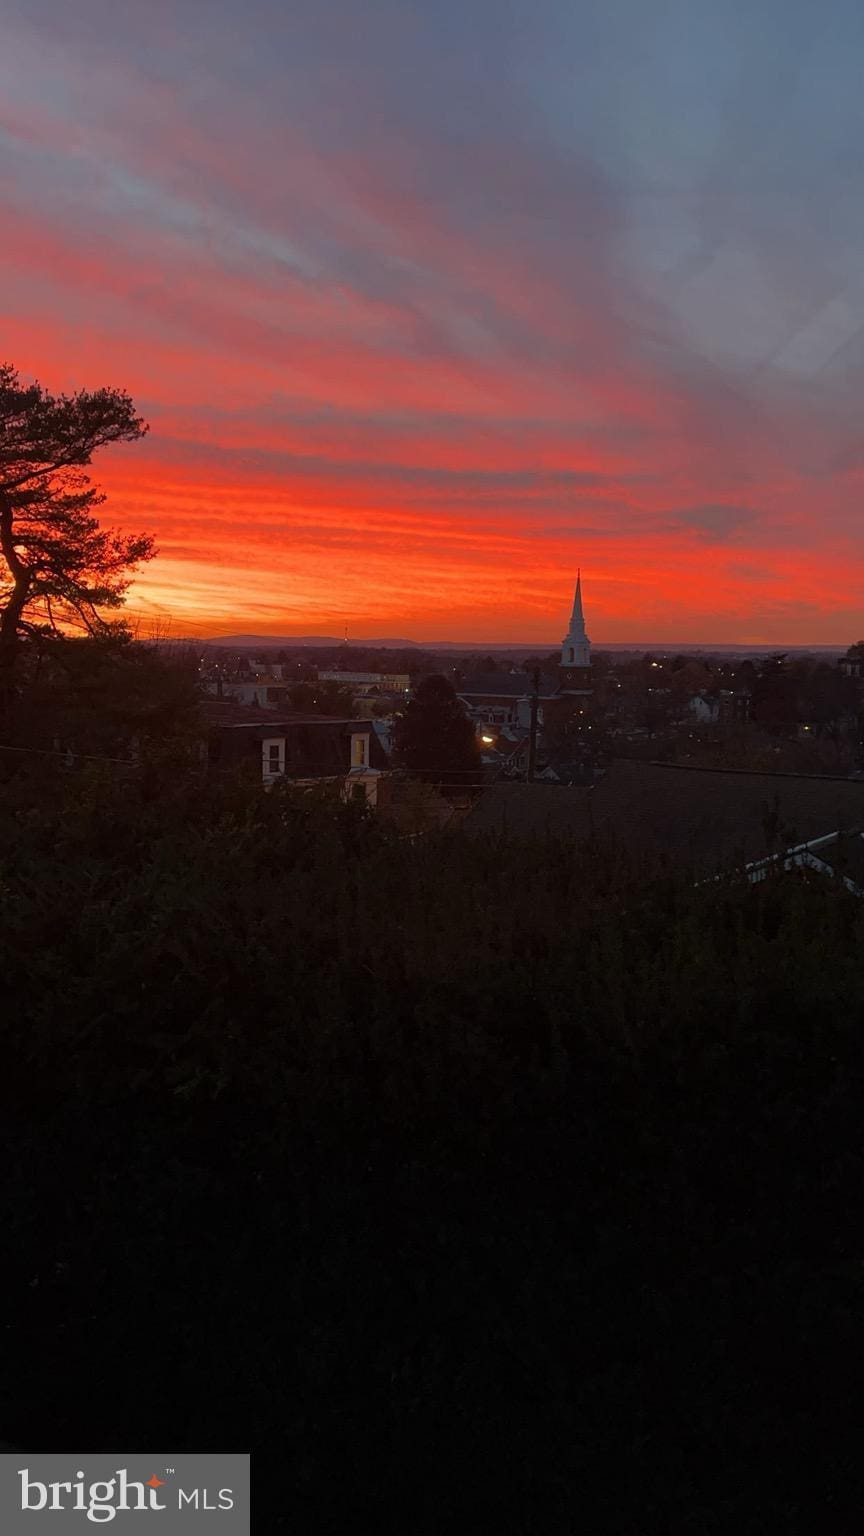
<point>840,854</point>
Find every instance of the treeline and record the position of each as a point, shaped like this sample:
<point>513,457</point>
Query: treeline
<point>359,658</point>
<point>471,1185</point>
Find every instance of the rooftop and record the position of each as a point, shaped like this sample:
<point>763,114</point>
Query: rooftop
<point>227,712</point>
<point>706,818</point>
<point>501,685</point>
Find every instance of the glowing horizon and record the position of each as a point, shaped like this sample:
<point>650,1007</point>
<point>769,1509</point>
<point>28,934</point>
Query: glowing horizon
<point>427,308</point>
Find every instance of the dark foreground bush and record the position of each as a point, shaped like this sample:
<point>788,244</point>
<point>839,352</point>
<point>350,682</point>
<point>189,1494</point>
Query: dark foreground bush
<point>471,1186</point>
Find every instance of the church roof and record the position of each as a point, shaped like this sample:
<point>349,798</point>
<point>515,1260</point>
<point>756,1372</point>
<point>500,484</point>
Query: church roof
<point>501,685</point>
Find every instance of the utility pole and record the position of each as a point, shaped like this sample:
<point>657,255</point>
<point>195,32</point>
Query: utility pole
<point>532,737</point>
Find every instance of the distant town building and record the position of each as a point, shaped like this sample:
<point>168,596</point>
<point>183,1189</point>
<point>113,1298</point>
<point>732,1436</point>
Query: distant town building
<point>705,707</point>
<point>723,706</point>
<point>266,694</point>
<point>370,682</point>
<point>852,664</point>
<point>497,698</point>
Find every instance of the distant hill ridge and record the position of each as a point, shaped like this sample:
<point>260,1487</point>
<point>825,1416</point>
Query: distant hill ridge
<point>685,647</point>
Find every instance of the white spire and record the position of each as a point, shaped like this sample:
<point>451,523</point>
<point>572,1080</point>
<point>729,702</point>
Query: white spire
<point>577,620</point>
<point>576,647</point>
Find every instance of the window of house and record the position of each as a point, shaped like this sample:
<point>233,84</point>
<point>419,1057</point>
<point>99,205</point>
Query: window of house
<point>274,756</point>
<point>359,751</point>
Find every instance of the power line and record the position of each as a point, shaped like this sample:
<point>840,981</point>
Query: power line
<point>87,757</point>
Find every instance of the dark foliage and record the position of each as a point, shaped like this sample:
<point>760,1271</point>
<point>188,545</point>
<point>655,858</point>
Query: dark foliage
<point>322,698</point>
<point>472,1187</point>
<point>775,695</point>
<point>58,566</point>
<point>106,695</point>
<point>434,737</point>
<point>573,730</point>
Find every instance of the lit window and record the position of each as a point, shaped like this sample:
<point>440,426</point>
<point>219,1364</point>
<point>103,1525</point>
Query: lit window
<point>359,751</point>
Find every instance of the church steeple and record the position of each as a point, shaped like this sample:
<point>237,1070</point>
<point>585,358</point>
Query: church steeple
<point>576,647</point>
<point>577,618</point>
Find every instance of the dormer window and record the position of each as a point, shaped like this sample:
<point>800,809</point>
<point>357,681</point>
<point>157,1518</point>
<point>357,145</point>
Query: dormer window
<point>359,751</point>
<point>273,757</point>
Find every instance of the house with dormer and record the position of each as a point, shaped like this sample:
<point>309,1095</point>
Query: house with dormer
<point>306,749</point>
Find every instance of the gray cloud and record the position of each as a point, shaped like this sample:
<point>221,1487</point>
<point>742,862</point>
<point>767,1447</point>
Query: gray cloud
<point>716,524</point>
<point>479,483</point>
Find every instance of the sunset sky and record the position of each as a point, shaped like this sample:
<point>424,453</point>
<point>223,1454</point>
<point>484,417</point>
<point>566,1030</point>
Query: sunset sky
<point>428,302</point>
